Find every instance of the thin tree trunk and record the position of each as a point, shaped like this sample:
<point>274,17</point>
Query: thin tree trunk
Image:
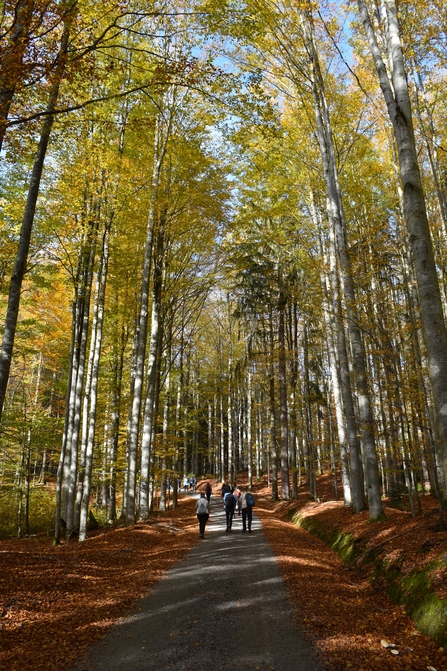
<point>15,286</point>
<point>284,420</point>
<point>97,331</point>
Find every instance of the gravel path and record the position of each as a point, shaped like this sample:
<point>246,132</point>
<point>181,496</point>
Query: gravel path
<point>224,605</point>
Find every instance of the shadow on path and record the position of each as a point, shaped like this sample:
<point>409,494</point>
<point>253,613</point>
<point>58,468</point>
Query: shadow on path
<point>224,604</point>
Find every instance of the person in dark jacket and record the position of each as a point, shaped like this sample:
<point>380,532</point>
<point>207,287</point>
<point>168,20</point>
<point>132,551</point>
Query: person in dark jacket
<point>208,491</point>
<point>229,503</point>
<point>225,489</point>
<point>247,511</point>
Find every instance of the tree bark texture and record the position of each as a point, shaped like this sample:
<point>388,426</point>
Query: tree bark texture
<point>398,103</point>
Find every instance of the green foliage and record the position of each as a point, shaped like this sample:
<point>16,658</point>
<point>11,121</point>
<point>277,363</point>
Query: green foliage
<point>41,510</point>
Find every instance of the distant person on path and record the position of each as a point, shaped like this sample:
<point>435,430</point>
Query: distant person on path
<point>247,502</point>
<point>237,496</point>
<point>230,503</point>
<point>185,484</point>
<point>208,491</point>
<point>203,513</point>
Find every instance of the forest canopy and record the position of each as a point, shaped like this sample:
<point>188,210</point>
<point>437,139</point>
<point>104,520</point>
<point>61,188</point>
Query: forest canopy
<point>223,238</point>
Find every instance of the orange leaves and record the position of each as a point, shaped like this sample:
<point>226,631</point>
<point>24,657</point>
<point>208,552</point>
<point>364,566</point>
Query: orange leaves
<point>345,614</point>
<point>64,598</point>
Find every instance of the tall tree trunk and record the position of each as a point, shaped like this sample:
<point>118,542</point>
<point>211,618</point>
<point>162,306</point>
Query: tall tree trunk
<point>310,436</point>
<point>15,286</point>
<point>73,430</point>
<point>97,331</point>
<point>284,420</point>
<point>273,445</point>
<point>160,143</point>
<point>341,384</point>
<point>152,371</point>
<point>337,221</point>
<point>398,103</point>
<point>249,428</point>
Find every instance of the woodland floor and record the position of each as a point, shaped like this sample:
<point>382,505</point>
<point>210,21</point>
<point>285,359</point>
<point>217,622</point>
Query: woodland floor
<point>56,601</point>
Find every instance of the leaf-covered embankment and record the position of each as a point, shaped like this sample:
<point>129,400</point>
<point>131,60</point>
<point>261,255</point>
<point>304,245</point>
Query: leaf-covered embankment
<point>347,612</point>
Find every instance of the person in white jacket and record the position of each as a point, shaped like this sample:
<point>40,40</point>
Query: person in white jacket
<point>203,513</point>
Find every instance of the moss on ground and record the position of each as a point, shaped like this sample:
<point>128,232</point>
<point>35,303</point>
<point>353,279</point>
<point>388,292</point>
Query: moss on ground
<point>412,590</point>
<point>343,543</point>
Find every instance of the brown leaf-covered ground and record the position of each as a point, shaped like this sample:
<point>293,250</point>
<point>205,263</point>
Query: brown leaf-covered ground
<point>55,601</point>
<point>344,613</point>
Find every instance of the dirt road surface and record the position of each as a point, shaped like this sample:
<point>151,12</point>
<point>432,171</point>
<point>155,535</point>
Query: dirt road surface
<point>223,606</point>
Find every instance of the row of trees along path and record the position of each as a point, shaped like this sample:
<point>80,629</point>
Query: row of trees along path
<point>231,253</point>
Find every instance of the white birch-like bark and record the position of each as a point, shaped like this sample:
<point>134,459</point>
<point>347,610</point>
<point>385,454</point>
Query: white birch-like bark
<point>210,440</point>
<point>86,400</point>
<point>310,436</point>
<point>161,138</point>
<point>222,435</point>
<point>78,383</point>
<point>164,478</point>
<point>283,409</point>
<point>338,359</point>
<point>273,445</point>
<point>337,220</point>
<point>97,330</point>
<point>248,424</point>
<point>231,464</point>
<point>397,98</point>
<point>152,370</point>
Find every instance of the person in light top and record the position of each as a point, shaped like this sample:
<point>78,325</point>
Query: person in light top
<point>203,513</point>
<point>247,511</point>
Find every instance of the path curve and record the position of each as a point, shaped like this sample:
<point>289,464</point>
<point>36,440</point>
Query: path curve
<point>224,605</point>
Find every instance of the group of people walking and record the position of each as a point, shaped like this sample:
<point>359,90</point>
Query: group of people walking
<point>189,484</point>
<point>235,499</point>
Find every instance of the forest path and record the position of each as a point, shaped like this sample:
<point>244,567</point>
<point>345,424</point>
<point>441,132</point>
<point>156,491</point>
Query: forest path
<point>224,605</point>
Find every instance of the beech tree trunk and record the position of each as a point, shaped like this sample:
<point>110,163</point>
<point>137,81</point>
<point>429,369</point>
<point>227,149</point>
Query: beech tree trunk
<point>15,286</point>
<point>161,138</point>
<point>396,94</point>
<point>337,221</point>
<point>97,330</point>
<point>284,420</point>
<point>152,371</point>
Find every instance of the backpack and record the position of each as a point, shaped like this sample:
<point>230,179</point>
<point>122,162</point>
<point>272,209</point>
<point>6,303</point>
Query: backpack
<point>229,500</point>
<point>249,499</point>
